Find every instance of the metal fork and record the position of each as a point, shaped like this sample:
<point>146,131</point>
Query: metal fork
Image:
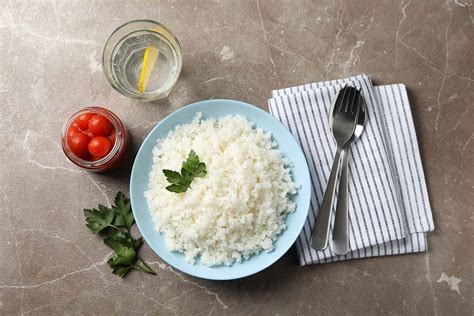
<point>344,116</point>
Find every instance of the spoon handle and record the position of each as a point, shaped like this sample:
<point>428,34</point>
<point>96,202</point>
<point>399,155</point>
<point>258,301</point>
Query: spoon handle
<point>319,241</point>
<point>340,236</point>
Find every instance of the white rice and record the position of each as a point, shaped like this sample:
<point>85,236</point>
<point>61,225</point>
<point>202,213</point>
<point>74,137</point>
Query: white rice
<point>240,206</point>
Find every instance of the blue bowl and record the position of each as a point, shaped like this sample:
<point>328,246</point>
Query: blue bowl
<point>287,145</point>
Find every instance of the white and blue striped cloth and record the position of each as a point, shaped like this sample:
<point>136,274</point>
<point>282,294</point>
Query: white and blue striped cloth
<point>390,212</point>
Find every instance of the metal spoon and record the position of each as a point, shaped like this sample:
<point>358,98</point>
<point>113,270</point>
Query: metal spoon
<point>340,236</point>
<point>343,118</point>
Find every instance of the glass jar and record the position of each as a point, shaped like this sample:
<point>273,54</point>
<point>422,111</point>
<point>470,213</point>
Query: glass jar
<point>116,154</point>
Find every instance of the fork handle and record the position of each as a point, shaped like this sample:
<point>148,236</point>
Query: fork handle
<point>340,236</point>
<point>319,241</point>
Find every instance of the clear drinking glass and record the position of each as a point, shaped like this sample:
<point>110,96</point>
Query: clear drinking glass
<point>123,59</point>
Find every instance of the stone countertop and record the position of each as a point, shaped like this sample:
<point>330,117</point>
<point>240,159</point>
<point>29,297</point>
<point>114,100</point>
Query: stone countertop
<point>50,66</point>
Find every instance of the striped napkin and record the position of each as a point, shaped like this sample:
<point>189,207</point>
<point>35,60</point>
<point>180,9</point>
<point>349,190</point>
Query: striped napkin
<point>390,212</point>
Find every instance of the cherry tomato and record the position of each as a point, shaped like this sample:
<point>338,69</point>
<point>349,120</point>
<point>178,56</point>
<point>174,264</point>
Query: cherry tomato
<point>99,125</point>
<point>88,133</point>
<point>73,129</point>
<point>79,145</point>
<point>99,147</point>
<point>95,158</point>
<point>82,120</point>
<point>112,138</point>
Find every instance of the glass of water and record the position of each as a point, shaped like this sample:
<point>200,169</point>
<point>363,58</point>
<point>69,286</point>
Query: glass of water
<point>129,70</point>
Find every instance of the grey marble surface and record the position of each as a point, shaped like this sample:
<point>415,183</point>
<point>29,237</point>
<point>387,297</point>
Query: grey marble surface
<point>50,66</point>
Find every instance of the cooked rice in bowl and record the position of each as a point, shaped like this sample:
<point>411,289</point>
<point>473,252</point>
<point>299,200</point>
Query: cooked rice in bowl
<point>239,208</point>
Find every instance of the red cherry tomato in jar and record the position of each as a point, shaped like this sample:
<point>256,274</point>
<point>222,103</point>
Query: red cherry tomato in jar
<point>82,120</point>
<point>99,147</point>
<point>88,133</point>
<point>73,129</point>
<point>112,138</point>
<point>79,145</point>
<point>95,158</point>
<point>99,125</point>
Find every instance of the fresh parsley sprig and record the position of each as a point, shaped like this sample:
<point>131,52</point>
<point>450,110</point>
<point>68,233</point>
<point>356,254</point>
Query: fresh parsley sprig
<point>191,168</point>
<point>114,225</point>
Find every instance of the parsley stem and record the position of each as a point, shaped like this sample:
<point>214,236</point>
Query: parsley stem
<point>113,226</point>
<point>145,264</point>
<point>136,267</point>
<point>145,268</point>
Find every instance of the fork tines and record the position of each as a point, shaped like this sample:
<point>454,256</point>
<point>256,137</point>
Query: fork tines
<point>348,97</point>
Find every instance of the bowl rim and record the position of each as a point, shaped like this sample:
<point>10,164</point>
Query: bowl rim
<point>284,249</point>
